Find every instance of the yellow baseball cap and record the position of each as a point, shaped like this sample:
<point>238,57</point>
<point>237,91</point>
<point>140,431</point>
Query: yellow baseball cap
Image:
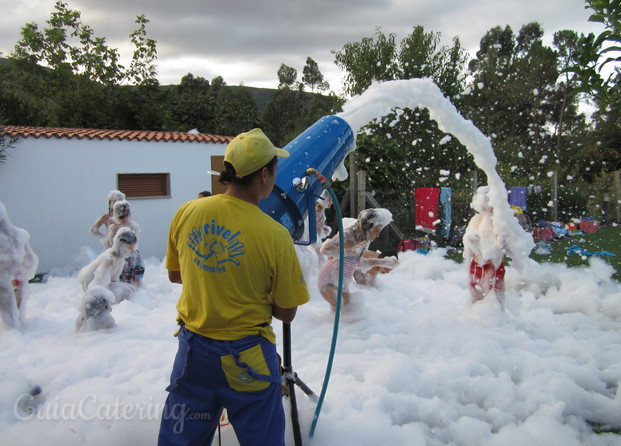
<point>250,151</point>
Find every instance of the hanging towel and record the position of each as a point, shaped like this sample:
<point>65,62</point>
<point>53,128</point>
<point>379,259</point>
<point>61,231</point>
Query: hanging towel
<point>426,208</point>
<point>517,197</point>
<point>447,211</point>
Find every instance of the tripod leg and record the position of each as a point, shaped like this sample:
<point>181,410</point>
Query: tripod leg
<point>307,390</point>
<point>290,383</point>
<point>295,422</point>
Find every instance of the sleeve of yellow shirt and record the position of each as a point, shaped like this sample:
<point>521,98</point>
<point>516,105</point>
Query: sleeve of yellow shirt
<point>289,288</point>
<point>172,255</point>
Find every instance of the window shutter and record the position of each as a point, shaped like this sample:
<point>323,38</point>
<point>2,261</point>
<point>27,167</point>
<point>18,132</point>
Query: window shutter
<point>142,185</point>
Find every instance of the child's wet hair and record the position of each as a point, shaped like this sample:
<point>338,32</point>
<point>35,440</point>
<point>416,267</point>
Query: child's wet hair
<point>128,236</point>
<point>367,219</point>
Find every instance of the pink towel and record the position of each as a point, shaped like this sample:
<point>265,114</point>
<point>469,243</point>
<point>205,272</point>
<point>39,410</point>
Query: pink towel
<point>427,207</point>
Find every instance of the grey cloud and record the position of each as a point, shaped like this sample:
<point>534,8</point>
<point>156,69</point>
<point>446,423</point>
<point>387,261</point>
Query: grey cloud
<point>269,32</point>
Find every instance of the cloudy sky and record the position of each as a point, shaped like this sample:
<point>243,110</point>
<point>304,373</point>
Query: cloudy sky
<point>246,41</point>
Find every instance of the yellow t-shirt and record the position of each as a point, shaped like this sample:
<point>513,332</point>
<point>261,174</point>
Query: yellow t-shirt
<point>234,260</point>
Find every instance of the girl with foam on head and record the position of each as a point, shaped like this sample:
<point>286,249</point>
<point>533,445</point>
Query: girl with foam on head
<point>357,236</point>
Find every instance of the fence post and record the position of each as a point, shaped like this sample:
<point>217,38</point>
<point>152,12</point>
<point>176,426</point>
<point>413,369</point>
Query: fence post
<point>617,196</point>
<point>554,196</point>
<point>362,191</point>
<point>353,184</point>
<point>474,179</point>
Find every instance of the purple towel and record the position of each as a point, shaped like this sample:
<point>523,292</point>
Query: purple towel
<point>517,197</point>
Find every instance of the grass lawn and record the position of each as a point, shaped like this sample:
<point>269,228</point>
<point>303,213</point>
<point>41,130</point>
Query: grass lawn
<point>607,239</point>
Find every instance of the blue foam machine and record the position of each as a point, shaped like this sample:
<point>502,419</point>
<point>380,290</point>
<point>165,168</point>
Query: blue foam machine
<point>322,147</point>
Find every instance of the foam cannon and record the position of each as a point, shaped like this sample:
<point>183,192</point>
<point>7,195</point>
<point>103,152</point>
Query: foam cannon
<point>320,148</point>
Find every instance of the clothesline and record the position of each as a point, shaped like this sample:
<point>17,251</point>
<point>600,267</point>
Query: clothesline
<point>428,199</point>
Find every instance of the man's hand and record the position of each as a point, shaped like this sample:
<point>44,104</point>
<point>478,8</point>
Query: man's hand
<point>174,276</point>
<point>284,314</point>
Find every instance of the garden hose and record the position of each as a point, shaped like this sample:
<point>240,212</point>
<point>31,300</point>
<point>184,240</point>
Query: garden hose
<point>324,183</point>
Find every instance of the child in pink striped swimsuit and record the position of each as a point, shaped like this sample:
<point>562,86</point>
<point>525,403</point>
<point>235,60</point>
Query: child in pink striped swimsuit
<point>358,237</point>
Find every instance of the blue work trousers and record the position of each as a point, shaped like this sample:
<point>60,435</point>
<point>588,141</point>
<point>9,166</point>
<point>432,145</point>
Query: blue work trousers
<point>208,375</point>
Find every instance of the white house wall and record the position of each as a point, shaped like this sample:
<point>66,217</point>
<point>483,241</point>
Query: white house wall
<point>56,189</point>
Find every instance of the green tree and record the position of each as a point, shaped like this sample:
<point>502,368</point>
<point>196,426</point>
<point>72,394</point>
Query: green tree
<point>142,69</point>
<point>405,149</point>
<point>601,154</point>
<point>287,76</point>
<point>236,111</point>
<point>312,77</point>
<point>491,69</point>
<point>146,107</point>
<point>282,115</point>
<point>5,142</point>
<point>450,72</point>
<point>290,111</point>
<point>522,97</point>
<point>52,47</point>
<point>84,104</point>
<point>367,61</point>
<point>25,97</point>
<point>566,117</point>
<point>513,97</point>
<point>64,76</point>
<point>597,52</point>
<point>538,86</point>
<point>193,104</point>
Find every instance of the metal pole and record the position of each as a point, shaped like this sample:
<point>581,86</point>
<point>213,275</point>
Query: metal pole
<point>290,383</point>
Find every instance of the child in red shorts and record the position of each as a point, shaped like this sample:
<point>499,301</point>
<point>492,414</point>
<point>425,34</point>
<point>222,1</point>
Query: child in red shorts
<point>484,250</point>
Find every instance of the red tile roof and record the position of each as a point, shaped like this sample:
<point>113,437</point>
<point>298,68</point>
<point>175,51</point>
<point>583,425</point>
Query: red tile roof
<point>101,134</point>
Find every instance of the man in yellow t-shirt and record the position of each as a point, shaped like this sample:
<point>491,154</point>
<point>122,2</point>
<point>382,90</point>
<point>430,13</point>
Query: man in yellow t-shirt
<point>239,269</point>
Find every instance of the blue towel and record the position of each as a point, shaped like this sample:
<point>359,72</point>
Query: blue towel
<point>446,202</point>
<point>575,249</point>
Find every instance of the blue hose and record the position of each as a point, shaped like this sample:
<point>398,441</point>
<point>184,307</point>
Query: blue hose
<point>337,313</point>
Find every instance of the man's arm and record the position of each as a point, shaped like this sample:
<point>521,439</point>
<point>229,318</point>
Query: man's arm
<point>284,314</point>
<point>174,276</point>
